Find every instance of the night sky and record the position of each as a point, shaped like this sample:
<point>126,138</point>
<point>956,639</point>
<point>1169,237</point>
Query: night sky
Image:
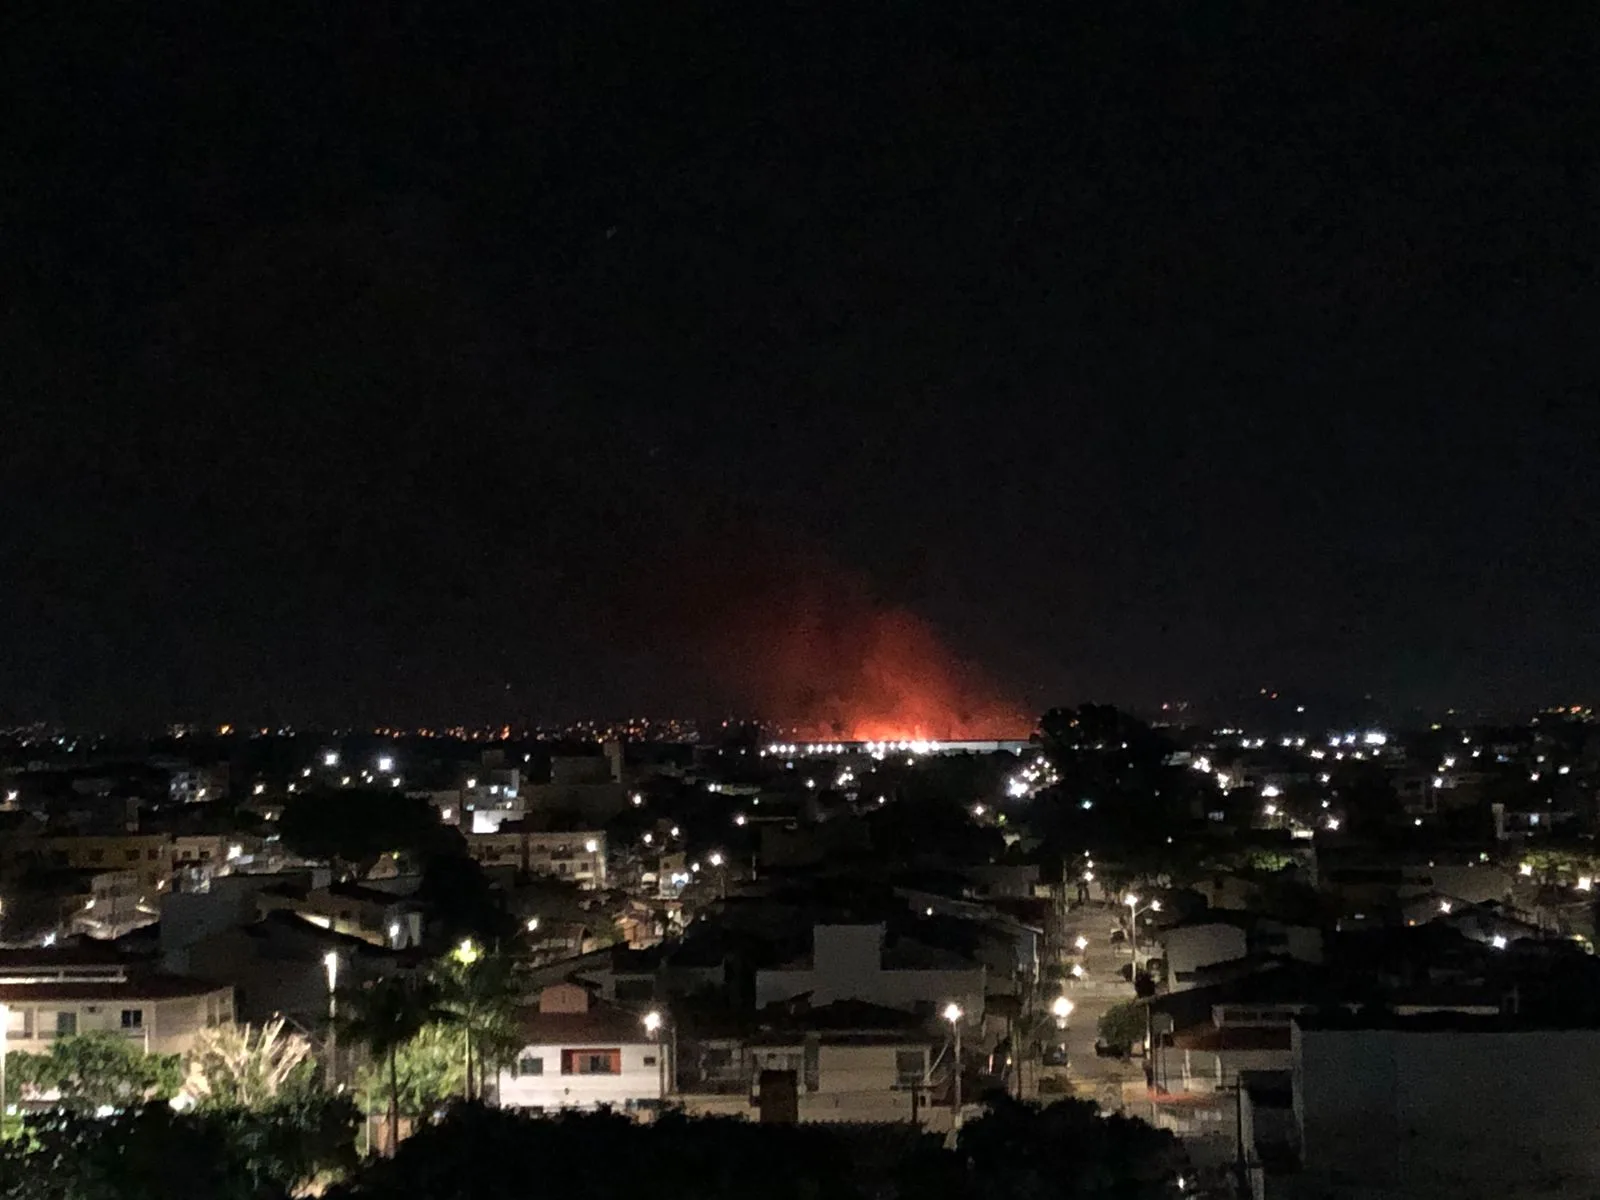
<point>439,361</point>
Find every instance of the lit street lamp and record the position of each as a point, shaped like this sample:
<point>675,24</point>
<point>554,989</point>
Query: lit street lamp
<point>953,1014</point>
<point>1061,1009</point>
<point>655,1025</point>
<point>330,964</point>
<point>1134,911</point>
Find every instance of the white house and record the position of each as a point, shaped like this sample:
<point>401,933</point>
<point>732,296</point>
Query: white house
<point>581,1054</point>
<point>851,962</point>
<point>49,994</point>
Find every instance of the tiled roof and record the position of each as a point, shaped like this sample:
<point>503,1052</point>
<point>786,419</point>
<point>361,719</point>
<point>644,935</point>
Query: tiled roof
<point>138,987</point>
<point>597,1027</point>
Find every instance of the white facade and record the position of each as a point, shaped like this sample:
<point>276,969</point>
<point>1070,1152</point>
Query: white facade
<point>582,1055</point>
<point>847,963</point>
<point>161,1013</point>
<point>584,1074</point>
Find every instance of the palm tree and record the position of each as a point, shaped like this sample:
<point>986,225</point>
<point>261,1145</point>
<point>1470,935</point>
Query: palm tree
<point>383,1017</point>
<point>480,993</point>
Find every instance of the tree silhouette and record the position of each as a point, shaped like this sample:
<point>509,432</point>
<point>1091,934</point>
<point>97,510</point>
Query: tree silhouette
<point>479,994</point>
<point>383,1017</point>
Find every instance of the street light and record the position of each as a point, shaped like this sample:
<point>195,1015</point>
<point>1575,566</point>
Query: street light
<point>467,952</point>
<point>1081,942</point>
<point>953,1014</point>
<point>330,964</point>
<point>1134,910</point>
<point>655,1024</point>
<point>1061,1008</point>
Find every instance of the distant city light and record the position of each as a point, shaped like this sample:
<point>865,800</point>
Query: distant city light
<point>590,846</point>
<point>1271,791</point>
<point>330,758</point>
<point>385,763</point>
<point>1498,941</point>
<point>1525,869</point>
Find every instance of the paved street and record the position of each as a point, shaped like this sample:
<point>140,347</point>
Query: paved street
<point>1100,988</point>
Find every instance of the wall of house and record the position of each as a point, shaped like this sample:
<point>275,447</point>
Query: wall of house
<point>166,1026</point>
<point>860,1069</point>
<point>847,965</point>
<point>638,1080</point>
<point>1213,1070</point>
<point>1468,1113</point>
<point>150,855</point>
<point>1191,947</point>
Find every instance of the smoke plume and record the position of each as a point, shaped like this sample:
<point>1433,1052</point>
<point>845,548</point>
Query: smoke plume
<point>808,646</point>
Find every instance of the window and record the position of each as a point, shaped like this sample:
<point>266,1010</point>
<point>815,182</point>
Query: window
<point>133,1018</point>
<point>204,855</point>
<point>528,1064</point>
<point>152,855</point>
<point>649,1060</point>
<point>131,855</point>
<point>97,855</point>
<point>66,1024</point>
<point>591,1062</point>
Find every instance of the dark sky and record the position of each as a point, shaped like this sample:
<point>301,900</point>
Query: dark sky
<point>389,360</point>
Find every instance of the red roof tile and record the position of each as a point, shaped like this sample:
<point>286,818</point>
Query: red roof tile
<point>598,1026</point>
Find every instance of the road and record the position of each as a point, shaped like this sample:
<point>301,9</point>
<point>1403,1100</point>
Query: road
<point>1101,987</point>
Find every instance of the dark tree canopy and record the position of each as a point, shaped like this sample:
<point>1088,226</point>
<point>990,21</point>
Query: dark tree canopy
<point>357,826</point>
<point>154,1153</point>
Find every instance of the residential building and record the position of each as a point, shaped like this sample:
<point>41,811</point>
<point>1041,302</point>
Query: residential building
<point>48,994</point>
<point>853,962</point>
<point>848,1061</point>
<point>148,855</point>
<point>578,855</point>
<point>1442,1105</point>
<point>278,965</point>
<point>1223,936</point>
<point>380,917</point>
<point>114,906</point>
<point>578,1053</point>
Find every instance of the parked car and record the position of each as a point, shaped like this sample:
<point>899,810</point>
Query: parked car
<point>1055,1055</point>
